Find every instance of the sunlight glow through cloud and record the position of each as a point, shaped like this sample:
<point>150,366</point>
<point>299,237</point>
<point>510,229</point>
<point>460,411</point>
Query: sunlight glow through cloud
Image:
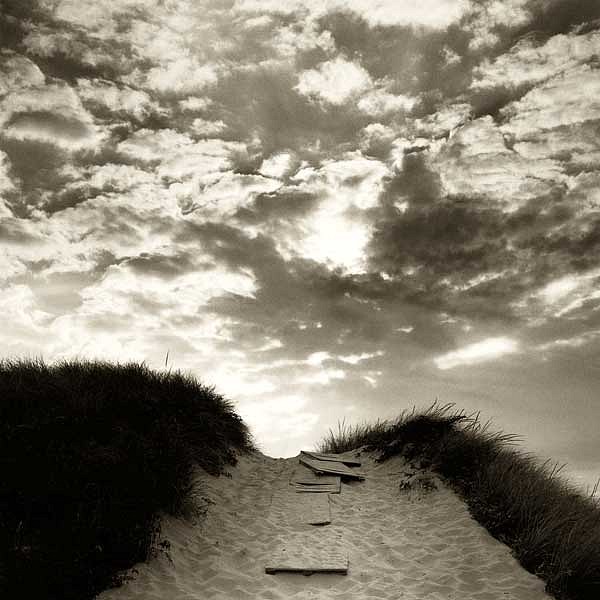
<point>311,204</point>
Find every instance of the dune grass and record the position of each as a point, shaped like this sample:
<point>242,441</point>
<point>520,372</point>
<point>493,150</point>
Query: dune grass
<point>91,454</point>
<point>552,529</point>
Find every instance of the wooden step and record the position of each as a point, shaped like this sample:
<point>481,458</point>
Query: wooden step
<point>328,467</point>
<point>292,559</point>
<point>351,462</point>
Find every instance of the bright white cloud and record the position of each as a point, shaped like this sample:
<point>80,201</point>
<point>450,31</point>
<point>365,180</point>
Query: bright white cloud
<point>6,182</point>
<point>316,359</point>
<point>277,165</point>
<point>487,17</point>
<point>337,231</point>
<point>206,128</point>
<point>528,62</point>
<point>118,99</point>
<point>195,103</point>
<point>222,196</point>
<point>354,359</point>
<point>18,72</point>
<point>291,39</point>
<point>110,176</point>
<point>428,13</point>
<point>569,293</point>
<point>572,97</point>
<point>24,324</point>
<point>486,350</point>
<point>379,103</point>
<point>559,288</point>
<point>476,161</point>
<point>335,81</point>
<point>443,121</point>
<point>149,145</point>
<point>185,75</point>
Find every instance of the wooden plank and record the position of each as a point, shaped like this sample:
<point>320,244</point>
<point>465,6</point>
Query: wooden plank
<point>318,483</point>
<point>329,467</point>
<point>307,561</point>
<point>317,489</point>
<point>350,462</point>
<point>314,479</point>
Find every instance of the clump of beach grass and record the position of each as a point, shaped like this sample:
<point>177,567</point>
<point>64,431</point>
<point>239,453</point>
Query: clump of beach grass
<point>91,454</point>
<point>552,528</point>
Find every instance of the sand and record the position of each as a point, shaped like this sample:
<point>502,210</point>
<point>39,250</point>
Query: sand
<point>410,544</point>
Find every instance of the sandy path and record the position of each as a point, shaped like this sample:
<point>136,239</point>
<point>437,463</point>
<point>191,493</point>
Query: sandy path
<point>412,546</point>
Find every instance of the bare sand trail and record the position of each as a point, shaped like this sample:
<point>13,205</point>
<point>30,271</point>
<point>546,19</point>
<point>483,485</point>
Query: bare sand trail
<point>410,545</point>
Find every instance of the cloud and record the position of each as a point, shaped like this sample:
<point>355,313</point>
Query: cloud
<point>120,100</point>
<point>487,19</point>
<point>478,352</point>
<point>380,103</point>
<point>6,182</point>
<point>182,76</point>
<point>52,114</point>
<point>288,416</point>
<point>308,197</point>
<point>205,128</point>
<point>339,228</point>
<point>429,13</point>
<point>17,72</point>
<point>528,62</point>
<point>566,99</point>
<point>478,161</point>
<point>571,292</point>
<point>195,103</point>
<point>335,81</point>
<point>277,165</point>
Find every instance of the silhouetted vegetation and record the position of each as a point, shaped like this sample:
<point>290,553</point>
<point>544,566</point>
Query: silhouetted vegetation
<point>90,454</point>
<point>552,529</point>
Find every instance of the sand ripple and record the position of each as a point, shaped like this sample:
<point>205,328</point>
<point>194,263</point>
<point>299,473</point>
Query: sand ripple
<point>401,544</point>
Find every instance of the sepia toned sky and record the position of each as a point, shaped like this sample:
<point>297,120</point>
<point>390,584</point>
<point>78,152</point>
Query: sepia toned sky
<point>327,209</point>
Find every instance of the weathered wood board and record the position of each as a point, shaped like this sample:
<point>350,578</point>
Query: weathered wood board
<point>315,488</point>
<point>311,478</point>
<point>351,462</point>
<point>329,467</point>
<point>305,480</point>
<point>307,561</point>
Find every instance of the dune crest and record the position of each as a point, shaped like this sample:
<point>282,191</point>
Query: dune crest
<point>406,535</point>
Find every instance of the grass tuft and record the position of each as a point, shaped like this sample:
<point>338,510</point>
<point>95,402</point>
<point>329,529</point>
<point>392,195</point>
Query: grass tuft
<point>552,528</point>
<point>90,454</point>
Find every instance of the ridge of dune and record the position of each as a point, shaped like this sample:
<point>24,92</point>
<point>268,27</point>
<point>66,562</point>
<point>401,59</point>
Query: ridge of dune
<point>402,543</point>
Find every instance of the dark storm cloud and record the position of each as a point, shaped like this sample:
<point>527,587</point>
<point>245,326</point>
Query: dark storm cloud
<point>60,49</point>
<point>295,296</point>
<point>37,166</point>
<point>561,16</point>
<point>284,119</point>
<point>439,245</point>
<point>410,56</point>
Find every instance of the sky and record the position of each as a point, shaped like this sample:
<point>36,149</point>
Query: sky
<point>328,210</point>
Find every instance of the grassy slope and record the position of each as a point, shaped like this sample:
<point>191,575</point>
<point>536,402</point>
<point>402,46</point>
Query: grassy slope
<point>553,530</point>
<point>90,454</point>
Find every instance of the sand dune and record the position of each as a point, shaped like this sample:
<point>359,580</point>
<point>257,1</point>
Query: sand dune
<point>412,545</point>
